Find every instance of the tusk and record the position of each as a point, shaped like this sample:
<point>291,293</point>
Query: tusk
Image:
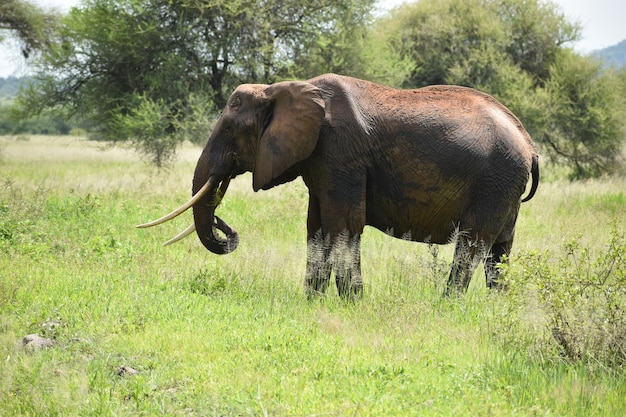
<point>181,235</point>
<point>201,192</point>
<point>222,191</point>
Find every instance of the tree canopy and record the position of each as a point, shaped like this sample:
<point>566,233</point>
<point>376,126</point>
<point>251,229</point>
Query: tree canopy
<point>136,69</point>
<point>155,72</point>
<point>31,25</point>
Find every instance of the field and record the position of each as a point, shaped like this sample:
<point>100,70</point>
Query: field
<point>144,330</point>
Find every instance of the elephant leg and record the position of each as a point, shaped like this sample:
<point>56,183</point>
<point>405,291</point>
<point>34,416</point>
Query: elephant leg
<point>467,254</point>
<point>318,262</point>
<point>346,260</point>
<point>334,236</point>
<point>318,266</point>
<point>498,254</point>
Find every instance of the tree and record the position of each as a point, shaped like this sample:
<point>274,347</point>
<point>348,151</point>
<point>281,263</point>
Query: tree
<point>440,35</point>
<point>535,32</point>
<point>29,24</point>
<point>142,69</point>
<point>339,48</point>
<point>582,122</point>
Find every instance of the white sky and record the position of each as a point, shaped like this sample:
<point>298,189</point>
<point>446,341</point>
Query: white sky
<point>603,25</point>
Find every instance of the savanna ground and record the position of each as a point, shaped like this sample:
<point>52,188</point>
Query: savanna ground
<point>235,335</point>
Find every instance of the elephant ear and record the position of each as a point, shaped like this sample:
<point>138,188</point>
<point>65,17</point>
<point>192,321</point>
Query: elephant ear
<point>293,124</point>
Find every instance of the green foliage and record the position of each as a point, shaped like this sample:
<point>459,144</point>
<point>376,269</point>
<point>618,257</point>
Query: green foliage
<point>535,33</point>
<point>385,62</point>
<point>12,123</point>
<point>199,119</point>
<point>31,25</point>
<point>12,120</point>
<point>340,50</point>
<point>580,297</point>
<point>442,38</point>
<point>10,86</point>
<point>584,125</point>
<point>145,125</point>
<point>436,35</point>
<point>155,133</point>
<point>114,61</point>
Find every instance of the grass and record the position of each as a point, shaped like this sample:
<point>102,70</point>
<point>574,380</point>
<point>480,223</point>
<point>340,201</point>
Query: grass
<point>235,335</point>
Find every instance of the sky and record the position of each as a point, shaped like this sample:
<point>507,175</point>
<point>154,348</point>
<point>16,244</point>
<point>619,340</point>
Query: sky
<point>602,21</point>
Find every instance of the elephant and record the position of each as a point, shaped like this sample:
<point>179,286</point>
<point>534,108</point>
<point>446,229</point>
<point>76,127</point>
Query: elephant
<point>429,164</point>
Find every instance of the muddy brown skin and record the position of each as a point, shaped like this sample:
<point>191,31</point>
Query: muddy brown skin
<point>425,165</point>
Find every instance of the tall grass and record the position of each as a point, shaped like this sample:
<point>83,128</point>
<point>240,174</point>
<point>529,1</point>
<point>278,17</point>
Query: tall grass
<point>235,335</point>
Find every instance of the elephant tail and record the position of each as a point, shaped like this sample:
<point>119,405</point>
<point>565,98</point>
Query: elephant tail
<point>535,173</point>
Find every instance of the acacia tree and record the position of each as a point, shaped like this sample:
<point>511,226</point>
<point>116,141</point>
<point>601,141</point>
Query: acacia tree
<point>582,122</point>
<point>439,35</point>
<point>340,48</point>
<point>518,51</point>
<point>143,70</point>
<point>31,25</point>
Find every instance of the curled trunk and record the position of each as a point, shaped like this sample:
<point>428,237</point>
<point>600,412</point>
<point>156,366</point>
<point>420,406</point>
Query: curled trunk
<point>207,223</point>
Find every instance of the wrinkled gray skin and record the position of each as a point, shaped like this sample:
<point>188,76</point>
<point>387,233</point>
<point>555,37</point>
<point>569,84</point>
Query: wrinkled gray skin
<point>427,164</point>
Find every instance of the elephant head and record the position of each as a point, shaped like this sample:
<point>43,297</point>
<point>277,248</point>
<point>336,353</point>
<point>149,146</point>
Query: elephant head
<point>264,129</point>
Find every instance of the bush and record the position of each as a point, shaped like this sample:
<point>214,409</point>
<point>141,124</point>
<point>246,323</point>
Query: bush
<point>18,217</point>
<point>573,305</point>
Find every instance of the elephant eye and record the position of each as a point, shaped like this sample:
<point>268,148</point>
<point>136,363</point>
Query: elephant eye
<point>235,102</point>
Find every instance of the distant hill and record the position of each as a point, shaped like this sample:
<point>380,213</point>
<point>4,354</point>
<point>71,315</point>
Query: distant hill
<point>613,55</point>
<point>10,86</point>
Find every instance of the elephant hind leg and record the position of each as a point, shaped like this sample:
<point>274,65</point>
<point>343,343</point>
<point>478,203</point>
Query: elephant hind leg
<point>467,254</point>
<point>498,254</point>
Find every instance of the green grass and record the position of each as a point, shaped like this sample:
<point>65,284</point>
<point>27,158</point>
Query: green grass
<point>235,335</point>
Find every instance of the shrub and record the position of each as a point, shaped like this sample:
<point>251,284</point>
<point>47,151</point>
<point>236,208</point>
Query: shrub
<point>18,215</point>
<point>573,305</point>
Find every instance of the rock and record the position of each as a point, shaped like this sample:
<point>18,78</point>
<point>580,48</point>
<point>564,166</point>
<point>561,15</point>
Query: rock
<point>126,370</point>
<point>34,342</point>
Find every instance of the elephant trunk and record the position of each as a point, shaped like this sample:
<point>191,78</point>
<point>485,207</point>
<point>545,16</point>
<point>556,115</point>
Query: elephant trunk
<point>207,223</point>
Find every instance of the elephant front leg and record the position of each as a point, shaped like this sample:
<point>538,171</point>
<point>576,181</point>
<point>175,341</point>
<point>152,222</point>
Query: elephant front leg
<point>340,253</point>
<point>318,267</point>
<point>334,243</point>
<point>346,260</point>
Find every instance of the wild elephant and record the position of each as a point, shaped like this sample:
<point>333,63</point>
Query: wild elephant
<point>426,164</point>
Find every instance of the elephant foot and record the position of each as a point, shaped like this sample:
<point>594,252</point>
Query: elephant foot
<point>453,291</point>
<point>457,285</point>
<point>352,294</point>
<point>497,284</point>
<point>495,279</point>
<point>316,287</point>
<point>349,289</point>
